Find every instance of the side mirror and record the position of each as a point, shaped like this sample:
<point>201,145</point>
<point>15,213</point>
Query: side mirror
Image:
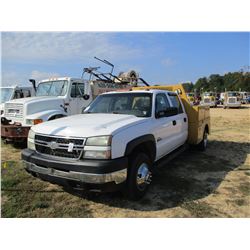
<point>86,97</point>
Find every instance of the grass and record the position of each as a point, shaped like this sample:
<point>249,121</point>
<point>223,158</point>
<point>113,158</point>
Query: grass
<point>245,188</point>
<point>193,185</point>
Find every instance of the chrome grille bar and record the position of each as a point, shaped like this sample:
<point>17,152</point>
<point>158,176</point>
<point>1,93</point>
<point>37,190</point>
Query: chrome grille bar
<point>59,146</point>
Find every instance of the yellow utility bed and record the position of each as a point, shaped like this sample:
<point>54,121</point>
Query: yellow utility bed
<point>198,116</point>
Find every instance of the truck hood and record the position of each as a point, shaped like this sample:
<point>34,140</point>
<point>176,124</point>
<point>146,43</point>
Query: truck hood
<point>87,125</point>
<point>33,99</point>
<point>38,104</point>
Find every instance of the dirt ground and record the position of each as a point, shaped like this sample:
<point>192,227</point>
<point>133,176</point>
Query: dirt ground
<point>215,183</point>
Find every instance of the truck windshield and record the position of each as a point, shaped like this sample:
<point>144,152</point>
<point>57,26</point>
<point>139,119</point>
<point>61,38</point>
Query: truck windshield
<point>138,104</point>
<point>6,94</point>
<point>208,94</point>
<point>232,94</point>
<point>52,88</point>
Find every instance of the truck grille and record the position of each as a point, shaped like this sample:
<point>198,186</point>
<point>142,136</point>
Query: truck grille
<point>231,100</point>
<point>14,110</point>
<point>59,146</point>
<point>206,100</point>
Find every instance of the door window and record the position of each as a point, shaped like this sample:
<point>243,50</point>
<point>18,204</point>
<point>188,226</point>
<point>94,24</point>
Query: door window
<point>26,93</point>
<point>161,103</point>
<point>175,102</point>
<point>18,94</point>
<point>77,89</point>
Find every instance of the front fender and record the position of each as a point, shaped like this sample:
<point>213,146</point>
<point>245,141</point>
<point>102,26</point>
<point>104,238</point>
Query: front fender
<point>46,115</point>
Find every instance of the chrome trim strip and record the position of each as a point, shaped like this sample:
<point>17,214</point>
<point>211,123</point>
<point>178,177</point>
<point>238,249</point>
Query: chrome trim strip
<point>60,145</point>
<point>117,176</point>
<point>63,137</point>
<point>54,157</point>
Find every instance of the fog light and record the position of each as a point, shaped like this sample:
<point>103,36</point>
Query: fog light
<point>94,154</point>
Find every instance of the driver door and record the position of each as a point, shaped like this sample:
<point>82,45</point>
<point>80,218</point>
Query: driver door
<point>76,101</point>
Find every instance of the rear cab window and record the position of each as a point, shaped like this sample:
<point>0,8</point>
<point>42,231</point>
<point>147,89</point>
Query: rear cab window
<point>175,102</point>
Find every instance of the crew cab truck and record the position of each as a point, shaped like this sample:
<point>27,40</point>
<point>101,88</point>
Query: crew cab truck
<point>117,141</point>
<point>13,92</point>
<point>55,98</point>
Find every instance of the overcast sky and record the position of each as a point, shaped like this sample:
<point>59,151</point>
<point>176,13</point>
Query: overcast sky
<point>159,57</point>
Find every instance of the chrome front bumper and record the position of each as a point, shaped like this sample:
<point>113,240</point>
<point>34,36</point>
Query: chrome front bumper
<point>117,176</point>
<point>233,104</point>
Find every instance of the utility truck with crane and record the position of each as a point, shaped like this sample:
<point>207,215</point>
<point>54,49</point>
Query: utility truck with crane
<point>118,141</point>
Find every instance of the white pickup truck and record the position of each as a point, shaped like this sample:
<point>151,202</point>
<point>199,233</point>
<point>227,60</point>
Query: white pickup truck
<point>117,141</point>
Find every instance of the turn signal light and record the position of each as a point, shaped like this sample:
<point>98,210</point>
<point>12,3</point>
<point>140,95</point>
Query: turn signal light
<point>37,121</point>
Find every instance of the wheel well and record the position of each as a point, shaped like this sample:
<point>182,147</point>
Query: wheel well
<point>53,117</point>
<point>148,148</point>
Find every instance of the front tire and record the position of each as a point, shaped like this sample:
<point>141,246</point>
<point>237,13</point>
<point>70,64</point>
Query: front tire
<point>139,176</point>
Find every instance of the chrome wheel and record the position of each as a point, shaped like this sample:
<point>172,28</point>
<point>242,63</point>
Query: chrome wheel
<point>143,176</point>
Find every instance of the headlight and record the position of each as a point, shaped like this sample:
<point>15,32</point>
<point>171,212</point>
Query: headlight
<point>31,140</point>
<point>98,147</point>
<point>33,121</point>
<point>99,141</point>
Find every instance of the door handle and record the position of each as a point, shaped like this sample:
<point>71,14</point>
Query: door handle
<point>185,119</point>
<point>159,139</point>
<point>174,122</point>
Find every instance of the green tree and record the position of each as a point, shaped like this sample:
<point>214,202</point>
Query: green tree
<point>230,81</point>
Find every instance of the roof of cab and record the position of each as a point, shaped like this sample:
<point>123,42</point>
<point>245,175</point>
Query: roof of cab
<point>153,91</point>
<point>60,79</point>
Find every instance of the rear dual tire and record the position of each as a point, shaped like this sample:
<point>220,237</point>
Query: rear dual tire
<point>203,144</point>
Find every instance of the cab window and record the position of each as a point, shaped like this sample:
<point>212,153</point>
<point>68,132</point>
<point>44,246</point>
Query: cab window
<point>18,94</point>
<point>175,102</point>
<point>26,93</point>
<point>77,89</point>
<point>161,103</point>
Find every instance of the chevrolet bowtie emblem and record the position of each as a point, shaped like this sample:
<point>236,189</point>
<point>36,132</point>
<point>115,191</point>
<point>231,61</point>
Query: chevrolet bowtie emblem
<point>53,145</point>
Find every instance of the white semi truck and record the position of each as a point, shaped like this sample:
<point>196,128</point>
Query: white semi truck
<point>232,100</point>
<point>209,99</point>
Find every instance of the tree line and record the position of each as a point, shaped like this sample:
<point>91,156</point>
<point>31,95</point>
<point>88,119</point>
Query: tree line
<point>232,81</point>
